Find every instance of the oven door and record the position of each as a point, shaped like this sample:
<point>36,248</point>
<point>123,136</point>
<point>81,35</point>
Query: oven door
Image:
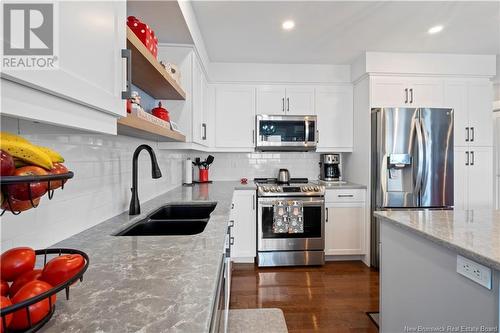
<point>313,237</point>
<point>286,133</point>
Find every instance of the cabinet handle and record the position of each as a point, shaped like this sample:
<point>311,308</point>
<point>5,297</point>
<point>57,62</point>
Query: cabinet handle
<point>345,195</point>
<point>317,136</point>
<point>326,220</point>
<point>231,240</point>
<point>127,54</point>
<point>253,201</point>
<point>253,136</point>
<point>472,134</point>
<point>283,104</point>
<point>204,127</point>
<point>232,205</point>
<point>467,158</point>
<point>288,104</point>
<point>231,223</point>
<point>406,95</point>
<point>411,95</point>
<point>472,158</point>
<point>467,137</point>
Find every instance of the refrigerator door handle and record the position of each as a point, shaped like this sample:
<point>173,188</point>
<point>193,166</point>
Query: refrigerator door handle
<point>420,168</point>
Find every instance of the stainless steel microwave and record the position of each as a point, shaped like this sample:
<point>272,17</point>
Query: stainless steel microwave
<point>286,133</point>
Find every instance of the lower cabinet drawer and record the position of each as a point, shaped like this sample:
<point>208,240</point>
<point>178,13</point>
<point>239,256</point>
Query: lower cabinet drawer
<point>347,195</point>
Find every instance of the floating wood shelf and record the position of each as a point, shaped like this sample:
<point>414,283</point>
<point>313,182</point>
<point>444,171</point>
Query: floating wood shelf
<point>140,128</point>
<point>149,75</point>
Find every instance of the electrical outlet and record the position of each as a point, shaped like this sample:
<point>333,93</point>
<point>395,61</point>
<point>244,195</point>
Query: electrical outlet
<point>474,271</point>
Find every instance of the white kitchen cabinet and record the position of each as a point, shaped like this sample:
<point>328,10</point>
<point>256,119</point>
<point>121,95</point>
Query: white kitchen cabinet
<point>473,174</point>
<point>200,104</point>
<point>271,100</point>
<point>289,100</point>
<point>473,119</point>
<point>244,225</point>
<point>480,95</point>
<point>406,92</point>
<point>299,100</point>
<point>334,109</point>
<point>90,68</point>
<point>234,116</point>
<point>345,212</point>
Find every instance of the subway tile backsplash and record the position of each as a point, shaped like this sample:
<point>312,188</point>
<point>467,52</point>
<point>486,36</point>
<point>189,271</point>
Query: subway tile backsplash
<point>103,172</point>
<point>100,189</point>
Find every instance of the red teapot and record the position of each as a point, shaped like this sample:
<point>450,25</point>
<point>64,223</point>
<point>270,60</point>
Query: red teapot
<point>161,112</point>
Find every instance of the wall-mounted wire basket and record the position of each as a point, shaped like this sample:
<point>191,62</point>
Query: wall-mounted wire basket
<point>24,305</point>
<point>51,180</point>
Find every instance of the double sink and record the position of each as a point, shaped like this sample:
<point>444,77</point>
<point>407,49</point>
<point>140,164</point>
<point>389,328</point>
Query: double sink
<point>174,219</point>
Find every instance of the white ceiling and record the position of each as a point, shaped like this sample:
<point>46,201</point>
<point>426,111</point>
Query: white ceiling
<point>165,19</point>
<point>337,32</point>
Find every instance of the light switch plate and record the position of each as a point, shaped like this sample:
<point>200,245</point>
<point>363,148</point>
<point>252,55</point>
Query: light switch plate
<point>474,271</point>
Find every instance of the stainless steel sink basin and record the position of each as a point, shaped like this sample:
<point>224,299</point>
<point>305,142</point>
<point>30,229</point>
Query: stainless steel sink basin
<point>173,219</point>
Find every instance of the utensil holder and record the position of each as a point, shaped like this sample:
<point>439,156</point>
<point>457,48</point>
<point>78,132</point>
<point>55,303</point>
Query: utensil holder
<point>203,175</point>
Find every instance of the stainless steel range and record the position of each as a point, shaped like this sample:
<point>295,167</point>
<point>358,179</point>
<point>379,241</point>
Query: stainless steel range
<point>302,246</point>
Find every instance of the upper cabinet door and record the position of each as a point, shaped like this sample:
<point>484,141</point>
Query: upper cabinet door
<point>334,109</point>
<point>428,92</point>
<point>271,100</point>
<point>197,100</point>
<point>480,115</point>
<point>455,97</point>
<point>234,116</point>
<point>90,70</point>
<point>389,92</point>
<point>299,100</point>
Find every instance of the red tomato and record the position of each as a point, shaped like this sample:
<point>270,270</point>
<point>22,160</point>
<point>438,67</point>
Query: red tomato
<point>62,268</point>
<point>16,261</point>
<point>5,288</point>
<point>58,168</point>
<point>37,311</point>
<point>21,191</point>
<point>23,279</point>
<point>5,302</point>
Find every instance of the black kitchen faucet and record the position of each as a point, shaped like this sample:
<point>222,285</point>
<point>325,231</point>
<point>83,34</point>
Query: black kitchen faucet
<point>135,206</point>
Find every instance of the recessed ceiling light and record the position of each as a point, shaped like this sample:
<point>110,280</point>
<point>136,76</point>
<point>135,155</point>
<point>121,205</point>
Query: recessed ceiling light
<point>435,29</point>
<point>288,25</point>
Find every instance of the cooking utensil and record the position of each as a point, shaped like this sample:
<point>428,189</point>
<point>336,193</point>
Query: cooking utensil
<point>210,160</point>
<point>283,176</point>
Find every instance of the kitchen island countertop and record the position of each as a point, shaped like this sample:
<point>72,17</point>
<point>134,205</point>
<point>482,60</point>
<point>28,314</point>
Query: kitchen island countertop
<point>473,233</point>
<point>148,283</point>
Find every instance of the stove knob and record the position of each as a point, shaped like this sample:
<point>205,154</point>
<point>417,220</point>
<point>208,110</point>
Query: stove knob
<point>310,188</point>
<point>304,189</point>
<point>273,189</point>
<point>265,189</point>
<point>316,188</point>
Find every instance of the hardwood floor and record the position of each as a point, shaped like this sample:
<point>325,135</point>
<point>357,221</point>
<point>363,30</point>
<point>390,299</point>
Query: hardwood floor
<point>331,298</point>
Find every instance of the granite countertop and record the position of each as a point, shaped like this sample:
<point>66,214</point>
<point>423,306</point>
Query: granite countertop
<point>339,185</point>
<point>474,233</point>
<point>148,283</point>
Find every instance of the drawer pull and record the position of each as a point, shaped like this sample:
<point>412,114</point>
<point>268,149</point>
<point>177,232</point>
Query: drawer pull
<point>231,240</point>
<point>345,195</point>
<point>231,223</point>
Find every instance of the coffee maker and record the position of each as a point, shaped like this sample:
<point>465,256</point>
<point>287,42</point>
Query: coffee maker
<point>330,168</point>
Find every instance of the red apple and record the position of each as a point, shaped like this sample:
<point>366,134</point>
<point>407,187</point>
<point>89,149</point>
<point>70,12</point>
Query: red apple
<point>58,168</point>
<point>7,164</point>
<point>21,191</point>
<point>19,206</point>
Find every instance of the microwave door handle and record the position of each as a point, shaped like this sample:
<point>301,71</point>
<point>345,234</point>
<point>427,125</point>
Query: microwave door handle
<point>307,131</point>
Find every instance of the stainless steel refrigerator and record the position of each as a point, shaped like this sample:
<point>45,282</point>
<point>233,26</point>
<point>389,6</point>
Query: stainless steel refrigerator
<point>412,162</point>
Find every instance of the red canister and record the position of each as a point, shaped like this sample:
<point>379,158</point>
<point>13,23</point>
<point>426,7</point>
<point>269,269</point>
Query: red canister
<point>161,112</point>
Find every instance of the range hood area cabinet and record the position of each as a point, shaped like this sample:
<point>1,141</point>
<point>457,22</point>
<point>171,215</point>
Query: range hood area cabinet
<point>76,94</point>
<point>285,100</point>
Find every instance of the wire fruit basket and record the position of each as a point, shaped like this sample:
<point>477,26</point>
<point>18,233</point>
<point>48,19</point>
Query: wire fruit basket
<point>24,305</point>
<point>57,180</point>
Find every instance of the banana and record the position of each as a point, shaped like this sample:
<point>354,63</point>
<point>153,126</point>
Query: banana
<point>19,163</point>
<point>6,136</point>
<point>27,152</point>
<point>54,155</point>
